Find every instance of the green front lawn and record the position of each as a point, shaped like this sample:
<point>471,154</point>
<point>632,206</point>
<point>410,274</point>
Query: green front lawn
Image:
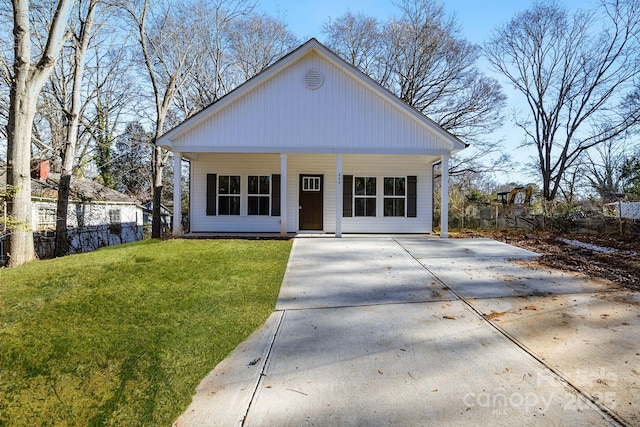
<point>122,336</point>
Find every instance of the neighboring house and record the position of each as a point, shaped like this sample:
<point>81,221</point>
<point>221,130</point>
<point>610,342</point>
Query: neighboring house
<point>97,215</point>
<point>165,216</point>
<point>311,144</point>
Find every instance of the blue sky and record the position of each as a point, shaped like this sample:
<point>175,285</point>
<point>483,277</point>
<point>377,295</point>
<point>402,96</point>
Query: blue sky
<point>476,18</point>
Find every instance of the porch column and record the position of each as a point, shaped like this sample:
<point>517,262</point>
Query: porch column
<point>339,195</point>
<point>283,195</point>
<point>177,194</point>
<point>444,201</point>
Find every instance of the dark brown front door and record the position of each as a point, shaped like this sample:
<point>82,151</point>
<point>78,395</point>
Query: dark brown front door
<point>311,206</point>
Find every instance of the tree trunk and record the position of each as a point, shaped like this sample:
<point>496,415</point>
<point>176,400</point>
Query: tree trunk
<point>157,166</point>
<point>62,240</point>
<point>68,158</point>
<point>20,247</point>
<point>69,151</point>
<point>26,84</point>
<point>64,190</point>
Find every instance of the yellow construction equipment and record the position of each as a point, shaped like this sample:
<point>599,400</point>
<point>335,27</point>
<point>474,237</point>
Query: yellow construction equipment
<point>516,201</point>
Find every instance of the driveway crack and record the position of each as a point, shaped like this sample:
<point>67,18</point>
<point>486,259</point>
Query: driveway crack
<point>559,375</point>
<point>263,368</point>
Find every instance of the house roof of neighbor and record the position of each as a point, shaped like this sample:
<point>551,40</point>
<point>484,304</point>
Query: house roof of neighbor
<point>81,189</point>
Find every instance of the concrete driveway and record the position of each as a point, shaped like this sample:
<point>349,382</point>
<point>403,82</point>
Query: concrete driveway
<point>418,331</point>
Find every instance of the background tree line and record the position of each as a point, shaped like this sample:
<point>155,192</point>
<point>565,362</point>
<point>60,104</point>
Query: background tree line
<point>91,84</point>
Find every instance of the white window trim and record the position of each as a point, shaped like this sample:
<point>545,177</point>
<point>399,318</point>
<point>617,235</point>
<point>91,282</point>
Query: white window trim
<point>218,195</point>
<point>115,216</point>
<point>268,195</point>
<point>365,196</point>
<point>311,183</point>
<point>45,216</point>
<point>384,196</point>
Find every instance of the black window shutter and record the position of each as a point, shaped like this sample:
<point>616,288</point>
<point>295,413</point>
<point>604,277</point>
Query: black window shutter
<point>275,195</point>
<point>212,185</point>
<point>347,195</point>
<point>412,192</point>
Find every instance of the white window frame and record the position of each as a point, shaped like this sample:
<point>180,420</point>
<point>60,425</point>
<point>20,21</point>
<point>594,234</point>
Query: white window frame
<point>365,196</point>
<point>310,183</point>
<point>259,194</point>
<point>229,195</point>
<point>47,218</point>
<point>115,216</point>
<point>394,196</point>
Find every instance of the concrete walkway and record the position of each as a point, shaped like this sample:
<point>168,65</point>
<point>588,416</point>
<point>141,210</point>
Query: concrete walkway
<point>418,331</point>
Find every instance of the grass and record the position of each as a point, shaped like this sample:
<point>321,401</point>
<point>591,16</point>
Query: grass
<point>123,335</point>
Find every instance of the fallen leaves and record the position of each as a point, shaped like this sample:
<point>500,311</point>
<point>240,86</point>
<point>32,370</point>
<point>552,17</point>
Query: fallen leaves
<point>494,315</point>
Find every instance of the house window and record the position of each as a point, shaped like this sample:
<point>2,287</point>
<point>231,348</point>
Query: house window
<point>311,183</point>
<point>115,225</point>
<point>46,219</point>
<point>259,192</point>
<point>229,195</point>
<point>394,196</point>
<point>365,196</point>
<point>114,216</point>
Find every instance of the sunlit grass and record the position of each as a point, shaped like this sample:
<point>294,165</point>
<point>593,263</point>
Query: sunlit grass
<point>123,335</point>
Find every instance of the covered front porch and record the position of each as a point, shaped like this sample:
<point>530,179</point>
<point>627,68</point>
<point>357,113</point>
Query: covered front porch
<point>337,209</point>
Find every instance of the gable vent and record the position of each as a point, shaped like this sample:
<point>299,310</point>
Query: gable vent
<point>313,79</point>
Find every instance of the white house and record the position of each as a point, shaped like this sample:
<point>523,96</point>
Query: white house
<point>91,224</point>
<point>97,216</point>
<point>311,144</point>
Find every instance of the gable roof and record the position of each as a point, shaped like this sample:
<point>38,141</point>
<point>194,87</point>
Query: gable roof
<point>222,126</point>
<point>81,189</point>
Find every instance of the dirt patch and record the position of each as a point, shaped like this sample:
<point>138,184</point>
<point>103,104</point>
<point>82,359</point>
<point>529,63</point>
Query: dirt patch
<point>606,257</point>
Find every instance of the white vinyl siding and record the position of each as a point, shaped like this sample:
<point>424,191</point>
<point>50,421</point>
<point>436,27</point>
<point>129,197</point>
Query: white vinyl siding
<point>107,223</point>
<point>392,166</point>
<point>377,135</point>
<point>245,165</point>
<point>344,115</point>
<point>242,165</point>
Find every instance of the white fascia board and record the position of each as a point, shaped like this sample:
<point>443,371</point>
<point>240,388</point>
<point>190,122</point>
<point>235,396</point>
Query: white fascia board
<point>193,151</point>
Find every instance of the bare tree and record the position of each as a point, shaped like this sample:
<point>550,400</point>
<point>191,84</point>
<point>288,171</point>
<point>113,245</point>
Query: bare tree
<point>358,40</point>
<point>434,70</point>
<point>5,74</point>
<point>112,99</point>
<point>630,176</point>
<point>108,105</point>
<point>82,34</point>
<point>257,41</point>
<point>421,57</point>
<point>578,82</point>
<point>604,167</point>
<point>171,53</point>
<point>131,162</point>
<point>99,97</point>
<point>216,71</point>
<point>27,79</point>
